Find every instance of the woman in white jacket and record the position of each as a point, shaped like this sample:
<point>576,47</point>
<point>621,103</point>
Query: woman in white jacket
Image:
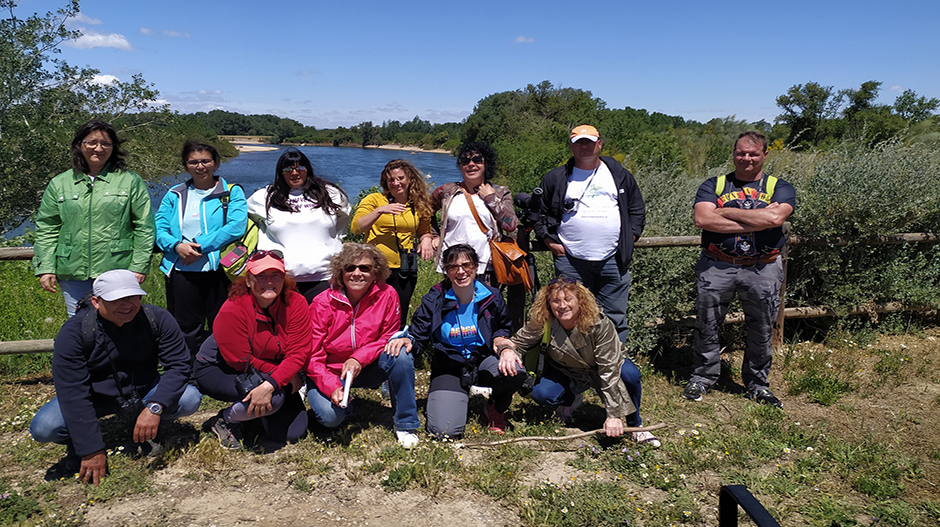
<point>303,216</point>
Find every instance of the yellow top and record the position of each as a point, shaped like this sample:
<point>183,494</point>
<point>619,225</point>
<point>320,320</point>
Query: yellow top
<point>406,226</point>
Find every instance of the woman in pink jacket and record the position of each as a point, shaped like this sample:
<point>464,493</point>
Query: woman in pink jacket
<point>261,340</point>
<point>352,321</point>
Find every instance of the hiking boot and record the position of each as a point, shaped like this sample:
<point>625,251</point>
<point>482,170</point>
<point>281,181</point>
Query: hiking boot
<point>229,434</point>
<point>408,439</point>
<point>495,421</point>
<point>694,391</point>
<point>565,413</point>
<point>764,396</point>
<point>646,438</point>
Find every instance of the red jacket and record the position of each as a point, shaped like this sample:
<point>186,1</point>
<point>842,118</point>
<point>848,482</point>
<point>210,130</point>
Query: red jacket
<point>341,332</point>
<point>280,344</point>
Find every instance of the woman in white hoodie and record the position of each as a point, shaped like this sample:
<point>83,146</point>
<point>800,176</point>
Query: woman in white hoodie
<point>303,216</point>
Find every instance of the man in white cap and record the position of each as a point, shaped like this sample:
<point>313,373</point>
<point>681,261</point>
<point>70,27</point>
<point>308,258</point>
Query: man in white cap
<point>105,361</point>
<point>591,214</point>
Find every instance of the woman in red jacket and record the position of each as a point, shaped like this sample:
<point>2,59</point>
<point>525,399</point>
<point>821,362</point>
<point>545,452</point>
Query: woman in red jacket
<point>261,339</point>
<point>352,321</point>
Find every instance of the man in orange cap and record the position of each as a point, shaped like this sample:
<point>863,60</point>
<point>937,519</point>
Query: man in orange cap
<point>591,214</point>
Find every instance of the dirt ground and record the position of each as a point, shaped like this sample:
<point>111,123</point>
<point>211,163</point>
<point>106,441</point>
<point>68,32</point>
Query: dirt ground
<point>251,489</point>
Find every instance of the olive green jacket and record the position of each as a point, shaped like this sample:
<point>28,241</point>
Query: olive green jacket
<point>85,228</point>
<point>589,360</point>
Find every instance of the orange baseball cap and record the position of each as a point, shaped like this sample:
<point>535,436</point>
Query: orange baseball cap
<point>584,131</point>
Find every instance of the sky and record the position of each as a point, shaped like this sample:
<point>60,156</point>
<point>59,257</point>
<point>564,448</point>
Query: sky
<point>340,63</point>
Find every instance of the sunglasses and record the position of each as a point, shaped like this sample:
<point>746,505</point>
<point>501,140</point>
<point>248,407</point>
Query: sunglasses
<point>363,268</point>
<point>465,160</point>
<point>299,168</point>
<point>563,279</point>
<point>257,255</point>
<point>468,267</point>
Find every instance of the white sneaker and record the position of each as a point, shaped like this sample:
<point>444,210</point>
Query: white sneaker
<point>565,413</point>
<point>646,438</point>
<point>484,391</point>
<point>407,438</point>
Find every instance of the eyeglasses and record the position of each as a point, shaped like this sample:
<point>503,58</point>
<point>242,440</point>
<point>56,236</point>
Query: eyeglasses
<point>196,162</point>
<point>95,144</point>
<point>563,279</point>
<point>299,168</point>
<point>465,160</point>
<point>363,268</point>
<point>468,267</point>
<point>257,255</point>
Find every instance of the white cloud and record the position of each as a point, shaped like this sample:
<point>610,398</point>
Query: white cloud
<point>92,39</point>
<point>104,79</point>
<point>175,34</point>
<point>82,18</point>
<point>896,89</point>
<point>524,40</point>
<point>145,31</point>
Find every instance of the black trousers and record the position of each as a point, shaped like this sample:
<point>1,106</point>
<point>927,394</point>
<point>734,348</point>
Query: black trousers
<point>405,286</point>
<point>194,299</point>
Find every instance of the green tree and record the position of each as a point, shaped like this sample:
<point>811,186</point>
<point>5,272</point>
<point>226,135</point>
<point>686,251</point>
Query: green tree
<point>805,108</point>
<point>43,100</point>
<point>913,108</point>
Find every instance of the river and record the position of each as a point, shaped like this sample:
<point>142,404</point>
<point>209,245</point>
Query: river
<point>353,169</point>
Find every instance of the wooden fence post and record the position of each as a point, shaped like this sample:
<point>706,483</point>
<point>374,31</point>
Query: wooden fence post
<point>776,342</point>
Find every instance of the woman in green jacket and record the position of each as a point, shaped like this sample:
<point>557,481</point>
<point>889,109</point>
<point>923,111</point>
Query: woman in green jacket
<point>93,218</point>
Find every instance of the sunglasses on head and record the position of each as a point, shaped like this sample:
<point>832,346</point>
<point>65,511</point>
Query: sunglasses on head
<point>563,279</point>
<point>363,268</point>
<point>299,168</point>
<point>465,160</point>
<point>257,255</point>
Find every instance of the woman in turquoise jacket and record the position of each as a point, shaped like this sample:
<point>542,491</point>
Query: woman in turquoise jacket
<point>195,220</point>
<point>93,218</point>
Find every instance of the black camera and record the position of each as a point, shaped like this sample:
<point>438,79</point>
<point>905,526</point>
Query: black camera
<point>130,406</point>
<point>528,205</point>
<point>409,261</point>
<point>468,376</point>
<point>248,381</point>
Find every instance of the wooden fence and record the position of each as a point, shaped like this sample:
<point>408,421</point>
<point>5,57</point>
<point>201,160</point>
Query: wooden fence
<point>45,345</point>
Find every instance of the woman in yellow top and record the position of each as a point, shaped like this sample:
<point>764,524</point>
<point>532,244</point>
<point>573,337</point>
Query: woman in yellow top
<point>392,220</point>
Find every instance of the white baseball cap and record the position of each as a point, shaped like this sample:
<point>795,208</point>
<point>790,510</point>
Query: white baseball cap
<point>116,284</point>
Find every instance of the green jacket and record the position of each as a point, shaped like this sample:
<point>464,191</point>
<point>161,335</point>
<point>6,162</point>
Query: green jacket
<point>85,228</point>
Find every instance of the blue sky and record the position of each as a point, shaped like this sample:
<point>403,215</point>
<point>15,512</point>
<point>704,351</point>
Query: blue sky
<point>339,63</point>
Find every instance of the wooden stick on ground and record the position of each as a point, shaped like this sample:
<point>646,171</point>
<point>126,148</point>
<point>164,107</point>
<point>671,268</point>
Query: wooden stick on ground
<point>562,438</point>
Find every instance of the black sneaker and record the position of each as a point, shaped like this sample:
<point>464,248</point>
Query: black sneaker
<point>694,391</point>
<point>764,396</point>
<point>229,434</point>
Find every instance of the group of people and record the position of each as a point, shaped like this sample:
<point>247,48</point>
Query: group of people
<point>316,316</point>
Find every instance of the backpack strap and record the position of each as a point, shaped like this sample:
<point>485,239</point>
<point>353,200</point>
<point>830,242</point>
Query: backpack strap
<point>225,199</point>
<point>90,327</point>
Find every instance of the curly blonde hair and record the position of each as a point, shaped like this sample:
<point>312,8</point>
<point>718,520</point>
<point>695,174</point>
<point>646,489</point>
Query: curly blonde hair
<point>352,253</point>
<point>540,312</point>
<point>417,190</point>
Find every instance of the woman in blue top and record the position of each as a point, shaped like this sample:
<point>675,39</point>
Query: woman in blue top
<point>464,324</point>
<point>195,220</point>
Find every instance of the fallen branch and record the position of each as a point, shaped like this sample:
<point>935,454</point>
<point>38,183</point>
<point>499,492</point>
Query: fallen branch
<point>559,438</point>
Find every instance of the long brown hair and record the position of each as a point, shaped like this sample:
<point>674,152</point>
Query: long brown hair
<point>417,190</point>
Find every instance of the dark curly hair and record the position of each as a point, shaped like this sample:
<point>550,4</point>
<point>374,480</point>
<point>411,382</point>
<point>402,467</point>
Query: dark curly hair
<point>115,160</point>
<point>485,150</point>
<point>315,189</point>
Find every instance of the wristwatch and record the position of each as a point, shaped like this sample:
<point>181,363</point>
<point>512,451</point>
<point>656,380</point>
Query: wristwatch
<point>155,408</point>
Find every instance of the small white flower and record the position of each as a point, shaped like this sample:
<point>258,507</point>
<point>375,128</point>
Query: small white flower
<point>809,449</point>
<point>786,450</point>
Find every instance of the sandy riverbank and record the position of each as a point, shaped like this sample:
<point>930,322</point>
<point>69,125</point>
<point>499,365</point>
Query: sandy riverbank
<point>255,148</point>
<point>414,149</point>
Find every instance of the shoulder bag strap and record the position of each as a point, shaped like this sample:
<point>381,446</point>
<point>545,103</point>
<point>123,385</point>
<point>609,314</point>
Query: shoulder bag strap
<point>476,215</point>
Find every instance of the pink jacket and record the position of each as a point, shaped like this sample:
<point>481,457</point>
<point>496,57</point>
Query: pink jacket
<point>341,332</point>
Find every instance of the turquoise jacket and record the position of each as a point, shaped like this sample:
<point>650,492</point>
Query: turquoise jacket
<point>216,231</point>
<point>85,227</point>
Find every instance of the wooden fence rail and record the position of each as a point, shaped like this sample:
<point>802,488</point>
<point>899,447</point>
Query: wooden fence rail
<point>44,346</point>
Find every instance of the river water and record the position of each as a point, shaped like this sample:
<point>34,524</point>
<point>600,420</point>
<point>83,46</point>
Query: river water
<point>353,169</point>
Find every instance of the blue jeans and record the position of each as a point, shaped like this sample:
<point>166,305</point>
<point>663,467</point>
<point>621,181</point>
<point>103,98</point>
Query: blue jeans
<point>48,425</point>
<point>400,372</point>
<point>604,279</point>
<point>73,291</point>
<point>554,389</point>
